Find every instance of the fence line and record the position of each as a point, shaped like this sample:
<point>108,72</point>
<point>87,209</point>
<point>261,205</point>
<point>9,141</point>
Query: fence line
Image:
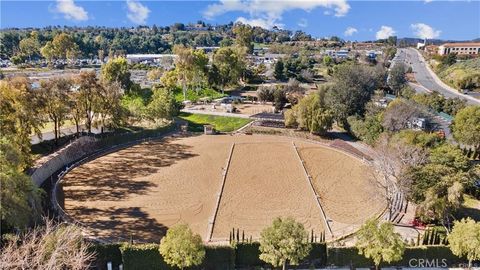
<point>68,167</point>
<point>211,223</point>
<point>317,197</point>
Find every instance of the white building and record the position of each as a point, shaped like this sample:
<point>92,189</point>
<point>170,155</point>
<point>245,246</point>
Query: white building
<point>463,48</point>
<point>138,58</point>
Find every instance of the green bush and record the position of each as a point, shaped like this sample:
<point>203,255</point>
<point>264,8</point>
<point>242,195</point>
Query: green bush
<point>248,255</point>
<point>143,256</point>
<point>219,257</point>
<point>147,256</point>
<point>106,253</point>
<point>318,255</point>
<point>348,256</point>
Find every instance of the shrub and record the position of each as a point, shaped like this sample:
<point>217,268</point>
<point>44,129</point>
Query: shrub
<point>106,253</point>
<point>144,256</point>
<point>248,254</point>
<point>219,257</point>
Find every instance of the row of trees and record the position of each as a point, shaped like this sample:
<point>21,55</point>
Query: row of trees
<point>85,99</point>
<point>286,242</point>
<point>351,89</point>
<point>97,41</point>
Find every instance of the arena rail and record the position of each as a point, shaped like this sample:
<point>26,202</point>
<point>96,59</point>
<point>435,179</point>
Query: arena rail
<point>315,195</point>
<point>211,223</point>
<point>67,168</point>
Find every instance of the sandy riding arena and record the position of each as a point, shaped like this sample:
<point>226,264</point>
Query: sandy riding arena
<point>216,183</point>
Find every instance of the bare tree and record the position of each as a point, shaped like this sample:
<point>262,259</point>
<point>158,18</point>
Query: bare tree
<point>392,159</point>
<point>52,246</point>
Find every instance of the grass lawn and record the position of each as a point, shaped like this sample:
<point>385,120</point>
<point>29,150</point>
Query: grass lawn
<point>220,123</point>
<point>469,208</point>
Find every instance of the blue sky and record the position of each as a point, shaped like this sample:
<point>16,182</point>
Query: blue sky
<point>354,20</point>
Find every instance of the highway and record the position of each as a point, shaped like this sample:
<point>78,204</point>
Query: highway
<point>426,79</point>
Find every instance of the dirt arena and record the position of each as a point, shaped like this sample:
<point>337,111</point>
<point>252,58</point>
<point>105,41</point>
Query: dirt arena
<point>142,190</point>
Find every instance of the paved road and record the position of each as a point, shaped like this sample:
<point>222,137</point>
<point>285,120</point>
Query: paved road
<point>427,80</point>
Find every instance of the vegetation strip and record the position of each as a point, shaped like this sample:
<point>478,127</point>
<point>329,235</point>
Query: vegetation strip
<point>224,177</point>
<point>317,197</point>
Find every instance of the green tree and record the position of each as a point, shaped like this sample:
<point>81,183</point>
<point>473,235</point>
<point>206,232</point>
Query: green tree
<point>54,95</point>
<point>352,88</point>
<point>20,198</point>
<point>116,70</point>
<point>163,104</point>
<point>310,114</point>
<point>379,242</point>
<point>449,59</point>
<point>86,100</point>
<point>466,126</point>
<point>183,66</point>
<point>48,51</point>
<point>243,36</point>
<point>230,64</point>
<point>279,99</point>
<point>63,46</point>
<point>181,247</point>
<point>109,105</point>
<point>199,69</point>
<point>396,78</point>
<point>279,70</point>
<point>30,46</point>
<point>328,61</point>
<point>285,241</point>
<point>20,115</point>
<point>438,186</point>
<point>464,240</point>
<point>367,130</point>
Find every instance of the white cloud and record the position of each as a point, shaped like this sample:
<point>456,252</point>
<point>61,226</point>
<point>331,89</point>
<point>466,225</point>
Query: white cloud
<point>71,11</point>
<point>264,23</point>
<point>137,13</point>
<point>422,30</point>
<point>350,31</point>
<point>385,32</point>
<point>303,23</point>
<point>269,12</point>
<point>427,1</point>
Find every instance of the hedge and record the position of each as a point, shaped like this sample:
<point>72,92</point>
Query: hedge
<point>219,257</point>
<point>147,256</point>
<point>106,253</point>
<point>247,255</point>
<point>318,255</point>
<point>348,256</point>
<point>143,256</point>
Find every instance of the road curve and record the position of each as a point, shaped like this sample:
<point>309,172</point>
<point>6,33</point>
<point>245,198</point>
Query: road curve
<point>426,78</point>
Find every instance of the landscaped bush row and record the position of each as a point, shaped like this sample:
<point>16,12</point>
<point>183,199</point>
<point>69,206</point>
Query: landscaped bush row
<point>440,256</point>
<point>147,256</point>
<point>245,255</point>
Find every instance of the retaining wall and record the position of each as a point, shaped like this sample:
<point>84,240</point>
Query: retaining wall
<point>48,165</point>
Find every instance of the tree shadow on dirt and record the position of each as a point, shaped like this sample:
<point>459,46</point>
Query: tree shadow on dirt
<point>119,224</point>
<point>113,177</point>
